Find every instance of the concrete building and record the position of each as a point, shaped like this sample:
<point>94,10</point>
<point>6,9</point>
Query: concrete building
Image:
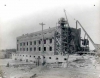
<point>33,42</point>
<point>50,44</point>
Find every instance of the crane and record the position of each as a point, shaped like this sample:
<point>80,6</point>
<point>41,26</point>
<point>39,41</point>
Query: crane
<point>96,46</point>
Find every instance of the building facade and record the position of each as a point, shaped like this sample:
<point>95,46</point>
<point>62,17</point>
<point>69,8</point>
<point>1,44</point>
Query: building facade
<point>33,42</point>
<point>54,43</point>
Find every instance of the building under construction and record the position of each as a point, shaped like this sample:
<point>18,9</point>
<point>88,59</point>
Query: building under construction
<point>53,42</point>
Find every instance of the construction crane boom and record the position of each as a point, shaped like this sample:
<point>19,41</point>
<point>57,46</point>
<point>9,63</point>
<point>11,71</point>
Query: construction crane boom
<point>86,33</point>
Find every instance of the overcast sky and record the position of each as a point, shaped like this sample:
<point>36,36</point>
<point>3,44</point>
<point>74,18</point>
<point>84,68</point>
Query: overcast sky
<point>19,17</point>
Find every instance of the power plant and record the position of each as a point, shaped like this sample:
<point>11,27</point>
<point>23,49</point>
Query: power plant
<point>53,44</point>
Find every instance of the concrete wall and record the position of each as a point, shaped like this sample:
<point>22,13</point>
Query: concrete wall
<point>33,58</point>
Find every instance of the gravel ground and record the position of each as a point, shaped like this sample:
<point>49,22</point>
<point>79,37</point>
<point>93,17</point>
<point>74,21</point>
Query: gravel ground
<point>78,68</point>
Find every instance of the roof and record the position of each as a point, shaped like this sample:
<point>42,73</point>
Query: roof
<point>38,33</point>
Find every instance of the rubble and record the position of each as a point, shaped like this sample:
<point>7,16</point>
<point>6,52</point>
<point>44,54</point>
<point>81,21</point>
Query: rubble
<point>85,66</point>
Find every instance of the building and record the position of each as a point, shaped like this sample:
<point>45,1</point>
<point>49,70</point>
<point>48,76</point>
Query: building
<point>51,43</point>
<point>4,54</point>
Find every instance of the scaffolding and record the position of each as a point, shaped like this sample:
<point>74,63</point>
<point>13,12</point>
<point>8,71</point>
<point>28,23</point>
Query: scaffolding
<point>61,37</point>
<point>67,39</point>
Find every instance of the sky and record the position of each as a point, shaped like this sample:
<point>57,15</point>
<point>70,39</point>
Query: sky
<point>19,17</point>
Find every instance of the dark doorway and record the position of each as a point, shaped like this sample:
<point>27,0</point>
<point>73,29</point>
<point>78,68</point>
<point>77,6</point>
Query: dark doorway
<point>38,61</point>
<point>26,60</point>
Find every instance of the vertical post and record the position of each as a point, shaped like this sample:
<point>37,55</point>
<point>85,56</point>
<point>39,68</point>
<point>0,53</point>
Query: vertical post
<point>67,38</point>
<point>76,25</point>
<point>42,42</point>
<point>88,44</point>
<point>84,40</point>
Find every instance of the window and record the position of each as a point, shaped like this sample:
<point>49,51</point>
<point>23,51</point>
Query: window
<point>43,57</point>
<point>30,55</point>
<point>56,58</point>
<point>65,59</point>
<point>27,49</point>
<point>44,48</point>
<point>20,44</point>
<point>39,42</point>
<point>50,40</point>
<point>26,55</point>
<point>44,41</point>
<point>50,48</point>
<point>23,49</point>
<point>34,42</point>
<point>27,43</point>
<point>23,43</point>
<point>39,57</point>
<point>49,57</point>
<point>34,48</point>
<point>39,48</point>
<point>30,49</point>
<point>34,56</point>
<point>23,55</point>
<point>30,42</point>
